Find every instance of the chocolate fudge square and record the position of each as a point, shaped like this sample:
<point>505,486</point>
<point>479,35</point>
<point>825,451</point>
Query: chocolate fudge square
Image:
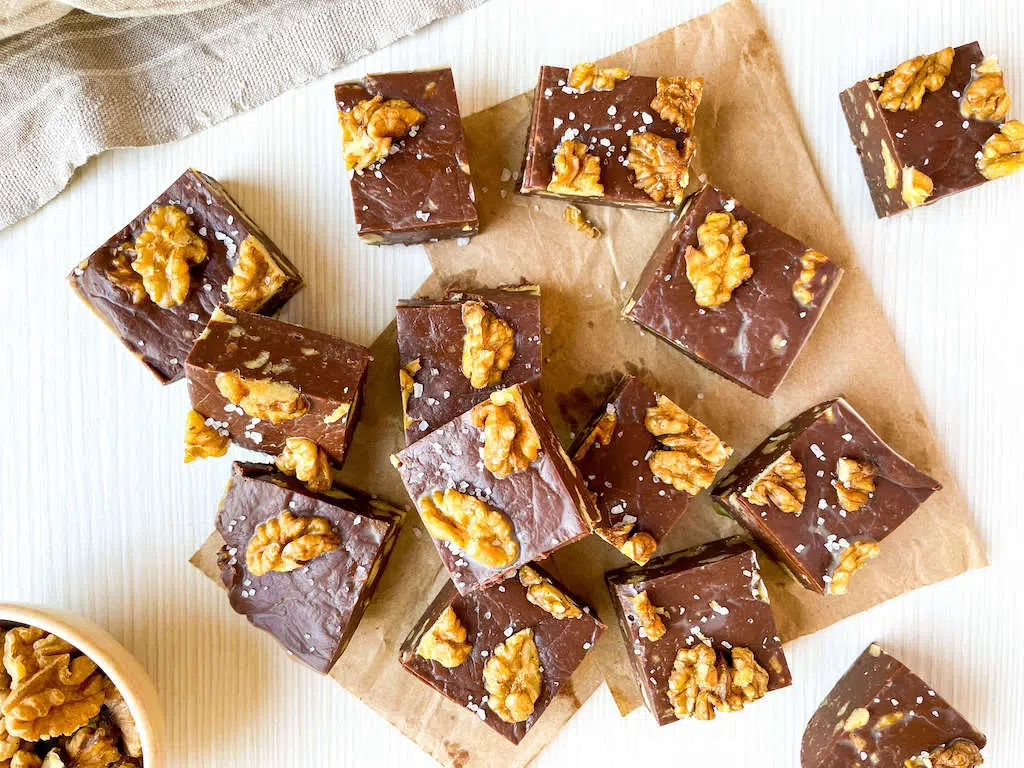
<point>611,137</point>
<point>454,352</point>
<point>302,565</point>
<point>406,152</point>
<point>505,651</point>
<point>643,457</point>
<point>495,490</point>
<point>821,493</point>
<point>931,127</point>
<point>700,631</point>
<point>733,292</point>
<point>880,713</point>
<point>156,282</point>
<point>262,381</point>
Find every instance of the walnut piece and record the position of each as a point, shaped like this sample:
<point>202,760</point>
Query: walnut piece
<point>511,442</point>
<point>850,561</point>
<point>694,453</point>
<point>704,682</point>
<point>890,168</point>
<point>649,616</point>
<point>802,285</point>
<point>408,385</point>
<point>470,524</point>
<point>600,434</point>
<point>264,399</point>
<point>985,98</point>
<point>117,708</point>
<point>677,100</point>
<point>542,593</point>
<point>368,128</point>
<point>287,542</point>
<point>93,747</point>
<point>255,277</point>
<point>512,677</point>
<point>959,753</point>
<point>917,187</point>
<point>721,264</point>
<point>637,546</point>
<point>307,461</point>
<point>588,77</point>
<point>164,251</point>
<point>574,216</point>
<point>201,439</point>
<point>661,170</point>
<point>905,87</point>
<point>55,690</point>
<point>1003,152</point>
<point>445,641</point>
<point>855,483</point>
<point>782,483</point>
<point>575,171</point>
<point>123,276</point>
<point>488,346</point>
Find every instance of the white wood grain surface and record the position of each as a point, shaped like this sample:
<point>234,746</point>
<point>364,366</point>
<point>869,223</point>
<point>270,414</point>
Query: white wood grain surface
<point>99,515</point>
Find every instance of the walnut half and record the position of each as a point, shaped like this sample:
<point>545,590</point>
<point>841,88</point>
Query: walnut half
<point>368,128</point>
<point>1003,152</point>
<point>542,593</point>
<point>985,98</point>
<point>782,482</point>
<point>484,533</point>
<point>512,677</point>
<point>264,399</point>
<point>905,87</point>
<point>488,346</point>
<point>202,440</point>
<point>445,641</point>
<point>694,453</point>
<point>721,264</point>
<point>575,171</point>
<point>917,187</point>
<point>649,617</point>
<point>511,442</point>
<point>255,278</point>
<point>704,682</point>
<point>287,542</point>
<point>659,168</point>
<point>677,100</point>
<point>855,483</point>
<point>959,753</point>
<point>588,77</point>
<point>164,252</point>
<point>849,562</point>
<point>307,461</point>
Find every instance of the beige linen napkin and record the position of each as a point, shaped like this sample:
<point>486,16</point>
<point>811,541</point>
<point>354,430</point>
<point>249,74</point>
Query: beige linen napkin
<point>17,16</point>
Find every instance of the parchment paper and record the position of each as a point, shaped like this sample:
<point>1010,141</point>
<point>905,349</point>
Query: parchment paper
<point>751,145</point>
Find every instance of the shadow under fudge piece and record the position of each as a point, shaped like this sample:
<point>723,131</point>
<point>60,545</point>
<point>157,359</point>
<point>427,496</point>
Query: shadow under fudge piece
<point>712,595</point>
<point>432,339</point>
<point>294,382</point>
<point>310,599</point>
<point>881,713</point>
<point>422,191</point>
<point>489,617</point>
<point>161,336</point>
<point>856,490</point>
<point>754,337</point>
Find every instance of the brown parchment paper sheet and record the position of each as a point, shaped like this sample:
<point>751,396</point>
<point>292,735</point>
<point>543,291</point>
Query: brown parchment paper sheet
<point>751,145</point>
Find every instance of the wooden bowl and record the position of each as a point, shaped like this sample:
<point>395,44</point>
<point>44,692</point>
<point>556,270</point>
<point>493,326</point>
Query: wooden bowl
<point>113,658</point>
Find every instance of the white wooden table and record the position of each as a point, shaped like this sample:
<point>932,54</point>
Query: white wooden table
<point>99,515</point>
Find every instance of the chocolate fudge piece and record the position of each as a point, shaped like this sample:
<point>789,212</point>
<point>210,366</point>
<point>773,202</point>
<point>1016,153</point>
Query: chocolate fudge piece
<point>931,127</point>
<point>454,352</point>
<point>611,137</point>
<point>643,457</point>
<point>461,644</point>
<point>700,630</point>
<point>302,565</point>
<point>880,713</point>
<point>821,492</point>
<point>406,151</point>
<point>495,490</point>
<point>262,381</point>
<point>733,292</point>
<point>156,281</point>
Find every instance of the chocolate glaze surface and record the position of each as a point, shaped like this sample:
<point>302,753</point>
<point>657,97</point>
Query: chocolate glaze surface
<point>313,610</point>
<point>490,616</point>
<point>328,371</point>
<point>917,719</point>
<point>755,337</point>
<point>431,331</point>
<point>810,543</point>
<point>712,593</point>
<point>422,192</point>
<point>162,337</point>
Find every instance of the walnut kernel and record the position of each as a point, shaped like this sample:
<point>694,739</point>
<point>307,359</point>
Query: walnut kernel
<point>307,461</point>
<point>588,77</point>
<point>802,285</point>
<point>677,100</point>
<point>117,708</point>
<point>637,546</point>
<point>488,346</point>
<point>255,277</point>
<point>959,753</point>
<point>600,434</point>
<point>542,593</point>
<point>575,171</point>
<point>445,641</point>
<point>782,482</point>
<point>1003,152</point>
<point>917,187</point>
<point>123,276</point>
<point>905,87</point>
<point>93,746</point>
<point>287,542</point>
<point>201,439</point>
<point>511,442</point>
<point>721,264</point>
<point>851,560</point>
<point>649,617</point>
<point>164,251</point>
<point>704,682</point>
<point>890,167</point>
<point>855,483</point>
<point>264,399</point>
<point>512,677</point>
<point>408,386</point>
<point>368,128</point>
<point>470,524</point>
<point>574,216</point>
<point>694,453</point>
<point>985,98</point>
<point>661,170</point>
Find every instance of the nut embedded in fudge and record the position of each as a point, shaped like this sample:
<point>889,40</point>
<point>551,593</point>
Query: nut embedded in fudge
<point>495,490</point>
<point>611,137</point>
<point>732,292</point>
<point>931,127</point>
<point>454,352</point>
<point>405,149</point>
<point>643,457</point>
<point>302,565</point>
<point>267,383</point>
<point>881,713</point>
<point>156,282</point>
<point>502,652</point>
<point>699,630</point>
<point>821,493</point>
